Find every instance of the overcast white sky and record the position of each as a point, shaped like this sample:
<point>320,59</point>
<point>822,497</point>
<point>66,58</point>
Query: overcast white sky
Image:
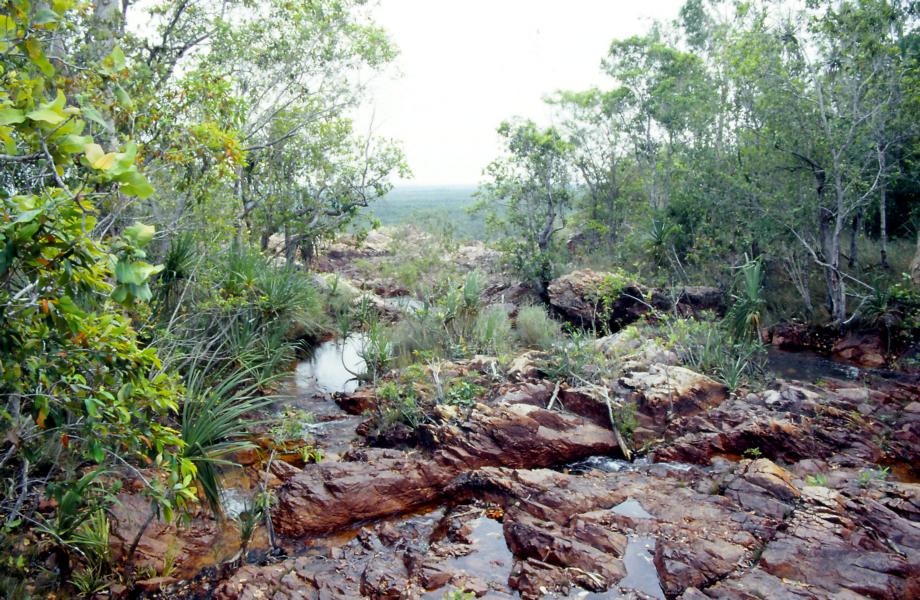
<point>466,65</point>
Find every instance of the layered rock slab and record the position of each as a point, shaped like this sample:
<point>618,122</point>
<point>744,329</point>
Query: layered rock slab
<point>377,483</point>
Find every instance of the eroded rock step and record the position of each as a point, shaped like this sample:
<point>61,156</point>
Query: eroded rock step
<point>739,531</point>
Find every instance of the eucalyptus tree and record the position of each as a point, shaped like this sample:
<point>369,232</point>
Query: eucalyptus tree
<point>593,121</point>
<point>314,184</point>
<point>527,194</point>
<point>815,93</point>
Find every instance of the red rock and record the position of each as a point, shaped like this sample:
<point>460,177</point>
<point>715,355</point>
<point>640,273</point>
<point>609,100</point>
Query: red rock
<point>330,495</point>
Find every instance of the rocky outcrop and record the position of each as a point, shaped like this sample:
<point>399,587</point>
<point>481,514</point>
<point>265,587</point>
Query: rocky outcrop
<point>377,483</point>
<point>751,530</point>
<point>579,296</point>
<point>847,426</point>
<point>593,298</point>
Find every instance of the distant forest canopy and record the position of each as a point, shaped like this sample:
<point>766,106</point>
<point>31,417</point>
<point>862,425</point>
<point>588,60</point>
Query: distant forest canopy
<point>434,208</point>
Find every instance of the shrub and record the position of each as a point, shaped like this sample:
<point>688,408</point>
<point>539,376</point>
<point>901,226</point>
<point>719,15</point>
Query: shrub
<point>576,360</point>
<point>706,347</point>
<point>492,330</point>
<point>746,314</point>
<point>535,328</point>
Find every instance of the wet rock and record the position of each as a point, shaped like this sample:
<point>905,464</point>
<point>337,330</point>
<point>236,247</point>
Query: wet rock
<point>764,488</point>
<point>155,584</point>
<point>282,470</point>
<point>793,422</point>
<point>358,402</point>
<point>324,497</point>
<point>563,532</point>
<point>369,565</point>
<point>832,545</point>
<point>864,349</point>
<point>384,580</point>
<point>200,542</point>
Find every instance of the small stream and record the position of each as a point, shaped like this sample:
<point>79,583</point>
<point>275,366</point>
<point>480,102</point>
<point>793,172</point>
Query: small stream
<point>804,365</point>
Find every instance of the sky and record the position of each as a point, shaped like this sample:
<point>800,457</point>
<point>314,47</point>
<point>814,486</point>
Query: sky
<point>466,65</point>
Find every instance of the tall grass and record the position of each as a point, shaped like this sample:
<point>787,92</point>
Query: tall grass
<point>492,330</point>
<point>536,329</point>
<point>214,423</point>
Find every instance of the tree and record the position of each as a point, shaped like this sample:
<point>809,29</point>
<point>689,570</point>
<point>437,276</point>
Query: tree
<point>528,194</point>
<point>592,122</point>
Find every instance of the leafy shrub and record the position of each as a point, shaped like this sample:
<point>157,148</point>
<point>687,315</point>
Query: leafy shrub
<point>745,317</point>
<point>463,393</point>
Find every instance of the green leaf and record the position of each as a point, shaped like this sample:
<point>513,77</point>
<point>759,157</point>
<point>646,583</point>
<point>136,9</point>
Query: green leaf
<point>90,404</point>
<point>136,272</point>
<point>37,55</point>
<point>74,143</point>
<point>120,293</point>
<point>44,16</point>
<point>27,232</point>
<point>135,184</point>
<point>46,115</point>
<point>114,62</point>
<point>95,116</point>
<point>67,306</point>
<point>139,234</point>
<point>124,161</point>
<point>28,216</point>
<point>11,116</point>
<point>123,98</point>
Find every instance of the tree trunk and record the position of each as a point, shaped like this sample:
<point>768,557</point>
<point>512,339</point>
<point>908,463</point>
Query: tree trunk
<point>836,289</point>
<point>883,218</point>
<point>915,265</point>
<point>853,259</point>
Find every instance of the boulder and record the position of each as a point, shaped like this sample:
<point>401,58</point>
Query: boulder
<point>578,296</point>
<point>664,392</point>
<point>525,366</point>
<point>694,299</point>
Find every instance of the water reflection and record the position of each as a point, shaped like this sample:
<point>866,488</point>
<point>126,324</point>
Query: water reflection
<point>332,368</point>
